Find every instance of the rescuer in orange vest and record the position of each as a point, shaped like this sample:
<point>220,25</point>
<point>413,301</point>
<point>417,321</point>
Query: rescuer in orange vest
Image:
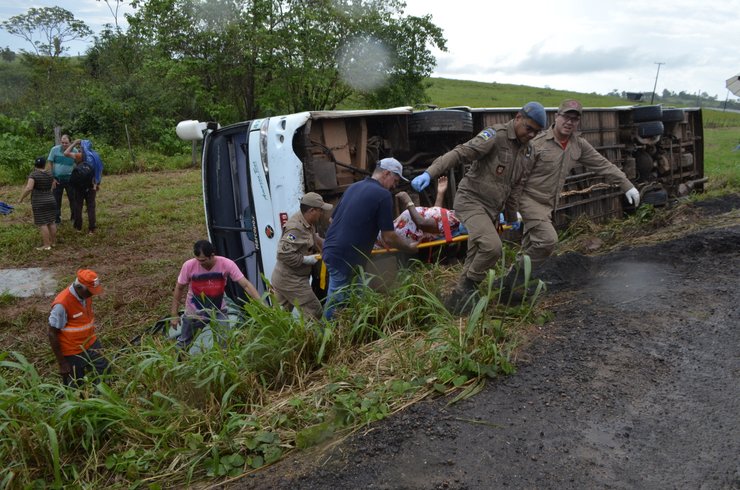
<point>72,329</point>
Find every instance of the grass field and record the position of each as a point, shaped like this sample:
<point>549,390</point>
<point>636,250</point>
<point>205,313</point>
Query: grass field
<point>281,383</point>
<point>446,92</point>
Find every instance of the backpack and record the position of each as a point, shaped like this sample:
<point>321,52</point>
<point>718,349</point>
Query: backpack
<point>82,176</point>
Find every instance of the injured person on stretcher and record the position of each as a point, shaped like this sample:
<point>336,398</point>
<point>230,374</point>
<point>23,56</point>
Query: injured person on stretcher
<point>425,224</point>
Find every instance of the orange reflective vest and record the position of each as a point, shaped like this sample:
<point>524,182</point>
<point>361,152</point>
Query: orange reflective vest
<point>79,332</point>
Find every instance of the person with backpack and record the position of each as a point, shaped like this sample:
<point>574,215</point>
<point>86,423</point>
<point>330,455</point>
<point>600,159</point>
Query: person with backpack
<point>85,180</point>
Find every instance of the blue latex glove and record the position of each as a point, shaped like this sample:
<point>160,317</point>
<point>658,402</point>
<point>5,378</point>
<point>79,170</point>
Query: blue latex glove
<point>420,182</point>
<point>516,225</point>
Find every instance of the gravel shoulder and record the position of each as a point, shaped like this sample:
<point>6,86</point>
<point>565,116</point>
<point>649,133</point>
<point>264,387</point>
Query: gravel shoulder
<point>634,384</point>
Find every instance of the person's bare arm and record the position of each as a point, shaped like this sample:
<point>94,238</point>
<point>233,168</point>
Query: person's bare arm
<point>176,299</point>
<point>56,348</point>
<point>249,288</point>
<point>318,241</point>
<point>441,189</point>
<point>27,190</point>
<point>394,241</point>
<point>69,153</point>
<point>428,225</point>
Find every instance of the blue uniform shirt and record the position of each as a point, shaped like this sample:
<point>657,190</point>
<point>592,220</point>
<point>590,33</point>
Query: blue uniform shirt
<point>365,209</point>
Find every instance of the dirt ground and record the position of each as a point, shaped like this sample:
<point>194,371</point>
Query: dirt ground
<point>634,384</point>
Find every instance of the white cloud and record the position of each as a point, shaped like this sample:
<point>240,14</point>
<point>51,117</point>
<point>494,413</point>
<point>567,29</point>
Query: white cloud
<point>590,46</point>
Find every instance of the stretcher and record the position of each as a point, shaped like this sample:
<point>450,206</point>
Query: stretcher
<point>434,243</point>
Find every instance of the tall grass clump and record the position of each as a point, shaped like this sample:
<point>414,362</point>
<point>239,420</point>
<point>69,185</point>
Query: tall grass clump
<point>272,381</point>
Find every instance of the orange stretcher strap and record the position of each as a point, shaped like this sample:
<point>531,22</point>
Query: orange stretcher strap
<point>446,226</point>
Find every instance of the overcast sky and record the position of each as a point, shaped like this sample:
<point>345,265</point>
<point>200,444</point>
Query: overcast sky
<point>581,45</point>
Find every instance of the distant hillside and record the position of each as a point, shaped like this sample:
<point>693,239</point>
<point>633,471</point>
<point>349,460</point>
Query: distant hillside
<point>445,92</point>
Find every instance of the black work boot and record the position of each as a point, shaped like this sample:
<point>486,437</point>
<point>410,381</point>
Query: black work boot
<point>514,289</point>
<point>463,297</point>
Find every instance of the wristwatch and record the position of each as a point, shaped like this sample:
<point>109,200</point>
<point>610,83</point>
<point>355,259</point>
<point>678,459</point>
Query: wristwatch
<point>410,204</point>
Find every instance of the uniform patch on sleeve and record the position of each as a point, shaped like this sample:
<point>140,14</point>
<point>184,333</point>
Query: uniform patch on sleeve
<point>487,134</point>
<point>291,237</point>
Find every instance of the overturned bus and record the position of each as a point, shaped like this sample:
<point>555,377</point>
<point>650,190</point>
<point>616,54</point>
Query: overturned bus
<point>255,172</point>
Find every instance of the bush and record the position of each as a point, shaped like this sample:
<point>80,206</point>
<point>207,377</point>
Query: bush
<point>17,154</point>
<point>161,132</point>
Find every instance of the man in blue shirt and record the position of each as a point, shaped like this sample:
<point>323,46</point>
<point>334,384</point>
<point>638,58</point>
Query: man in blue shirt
<point>365,209</point>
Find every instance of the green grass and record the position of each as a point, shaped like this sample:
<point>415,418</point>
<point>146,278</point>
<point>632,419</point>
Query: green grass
<point>280,383</point>
<point>277,383</point>
<point>720,119</point>
<point>721,159</point>
<point>446,92</point>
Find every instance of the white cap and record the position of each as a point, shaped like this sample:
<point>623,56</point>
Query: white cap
<point>392,165</point>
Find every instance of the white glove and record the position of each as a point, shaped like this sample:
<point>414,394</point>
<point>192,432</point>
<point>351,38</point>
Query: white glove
<point>633,197</point>
<point>310,259</point>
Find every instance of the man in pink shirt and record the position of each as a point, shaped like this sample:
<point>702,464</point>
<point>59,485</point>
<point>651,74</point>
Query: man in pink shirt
<point>205,279</point>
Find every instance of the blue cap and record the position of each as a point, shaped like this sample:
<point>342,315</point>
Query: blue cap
<point>535,112</point>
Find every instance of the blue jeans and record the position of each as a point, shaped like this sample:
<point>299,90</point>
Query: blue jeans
<point>337,291</point>
<point>191,325</point>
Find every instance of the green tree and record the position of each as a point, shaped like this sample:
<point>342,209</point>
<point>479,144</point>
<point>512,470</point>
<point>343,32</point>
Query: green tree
<point>7,54</point>
<point>408,39</point>
<point>197,51</point>
<point>47,29</point>
<point>262,57</point>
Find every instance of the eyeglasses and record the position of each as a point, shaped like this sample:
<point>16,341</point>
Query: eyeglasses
<point>570,119</point>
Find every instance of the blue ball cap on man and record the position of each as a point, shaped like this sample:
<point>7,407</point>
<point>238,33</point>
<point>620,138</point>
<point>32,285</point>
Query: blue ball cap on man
<point>535,112</point>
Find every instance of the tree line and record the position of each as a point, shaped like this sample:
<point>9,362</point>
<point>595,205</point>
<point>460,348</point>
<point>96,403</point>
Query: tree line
<point>224,60</point>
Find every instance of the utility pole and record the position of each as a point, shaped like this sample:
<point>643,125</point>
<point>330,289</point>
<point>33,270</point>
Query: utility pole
<point>656,80</point>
